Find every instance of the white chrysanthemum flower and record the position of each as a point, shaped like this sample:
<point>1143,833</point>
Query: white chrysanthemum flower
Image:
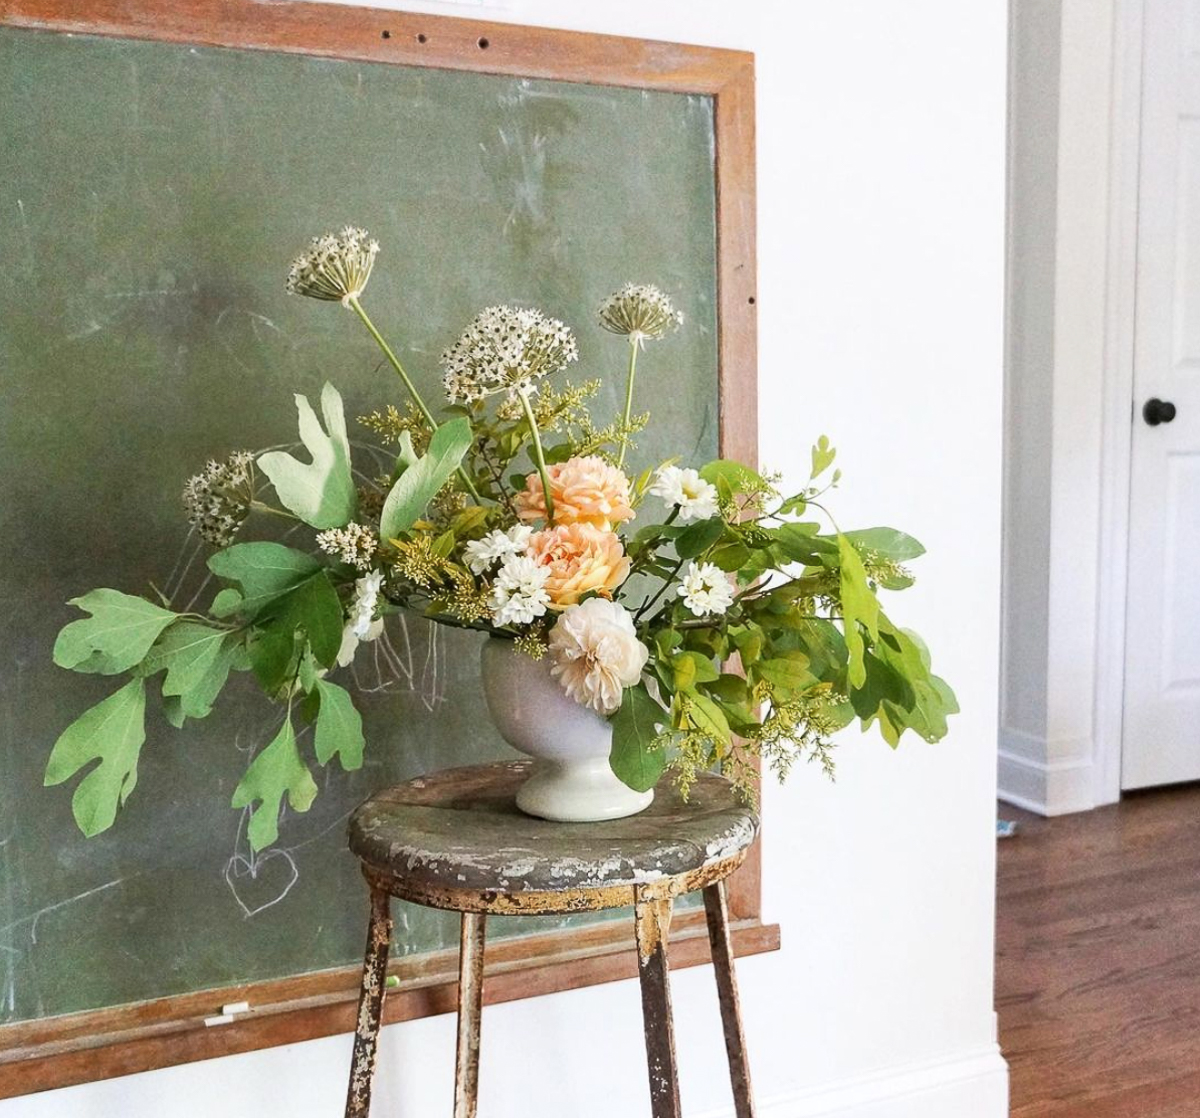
<point>695,498</point>
<point>218,498</point>
<point>495,546</point>
<point>639,311</point>
<point>519,595</point>
<point>336,266</point>
<point>505,349</point>
<point>596,653</point>
<point>354,545</point>
<point>705,589</point>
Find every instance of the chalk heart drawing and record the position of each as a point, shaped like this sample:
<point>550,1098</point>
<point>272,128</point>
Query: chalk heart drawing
<point>260,882</point>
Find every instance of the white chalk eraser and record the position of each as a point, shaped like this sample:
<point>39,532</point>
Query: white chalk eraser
<point>220,1019</point>
<point>236,1007</point>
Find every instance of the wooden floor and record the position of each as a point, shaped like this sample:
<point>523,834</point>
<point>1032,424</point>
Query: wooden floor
<point>1098,960</point>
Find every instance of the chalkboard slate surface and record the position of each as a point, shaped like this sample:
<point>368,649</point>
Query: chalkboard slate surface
<point>151,198</point>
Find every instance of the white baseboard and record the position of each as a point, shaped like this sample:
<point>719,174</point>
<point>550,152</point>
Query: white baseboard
<point>1056,787</point>
<point>968,1085</point>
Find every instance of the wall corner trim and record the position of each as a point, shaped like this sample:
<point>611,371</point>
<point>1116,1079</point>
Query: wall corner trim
<point>973,1082</point>
<point>1043,776</point>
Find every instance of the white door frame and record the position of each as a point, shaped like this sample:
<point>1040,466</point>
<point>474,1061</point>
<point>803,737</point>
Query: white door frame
<point>1117,396</point>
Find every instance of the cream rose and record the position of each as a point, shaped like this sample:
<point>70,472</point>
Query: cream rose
<point>585,491</point>
<point>596,654</point>
<point>580,558</point>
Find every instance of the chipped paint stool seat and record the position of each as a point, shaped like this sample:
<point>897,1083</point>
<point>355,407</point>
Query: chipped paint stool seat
<point>455,840</point>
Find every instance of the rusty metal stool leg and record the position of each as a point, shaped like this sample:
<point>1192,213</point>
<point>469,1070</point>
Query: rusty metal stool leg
<point>653,922</point>
<point>470,1012</point>
<point>717,911</point>
<point>370,1005</point>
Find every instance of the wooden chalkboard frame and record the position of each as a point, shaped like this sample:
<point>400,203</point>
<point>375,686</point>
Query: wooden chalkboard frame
<point>80,1047</point>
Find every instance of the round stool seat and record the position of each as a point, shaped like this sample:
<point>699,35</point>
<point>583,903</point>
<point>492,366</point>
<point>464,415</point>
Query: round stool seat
<point>456,840</point>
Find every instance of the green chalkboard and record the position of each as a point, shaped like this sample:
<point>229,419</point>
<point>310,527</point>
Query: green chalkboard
<point>151,198</point>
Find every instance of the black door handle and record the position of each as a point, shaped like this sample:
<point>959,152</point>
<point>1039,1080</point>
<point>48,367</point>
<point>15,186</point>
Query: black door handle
<point>1158,411</point>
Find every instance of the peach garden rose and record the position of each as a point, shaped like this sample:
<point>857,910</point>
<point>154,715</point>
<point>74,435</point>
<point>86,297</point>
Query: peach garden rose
<point>579,558</point>
<point>585,490</point>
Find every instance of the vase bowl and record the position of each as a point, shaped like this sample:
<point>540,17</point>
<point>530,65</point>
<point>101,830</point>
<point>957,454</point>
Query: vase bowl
<point>571,780</point>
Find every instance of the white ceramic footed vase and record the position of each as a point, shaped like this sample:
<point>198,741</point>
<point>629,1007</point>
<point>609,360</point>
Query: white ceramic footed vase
<point>571,781</point>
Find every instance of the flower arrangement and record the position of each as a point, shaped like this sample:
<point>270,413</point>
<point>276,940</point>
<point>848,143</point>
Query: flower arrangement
<point>699,608</point>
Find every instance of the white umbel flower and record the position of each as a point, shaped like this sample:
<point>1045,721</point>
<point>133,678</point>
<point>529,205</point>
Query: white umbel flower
<point>596,653</point>
<point>336,266</point>
<point>506,349</point>
<point>639,311</point>
<point>495,546</point>
<point>695,498</point>
<point>218,498</point>
<point>705,589</point>
<point>519,595</point>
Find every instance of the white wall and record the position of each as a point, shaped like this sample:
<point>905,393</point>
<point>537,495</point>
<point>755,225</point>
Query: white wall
<point>1061,95</point>
<point>881,140</point>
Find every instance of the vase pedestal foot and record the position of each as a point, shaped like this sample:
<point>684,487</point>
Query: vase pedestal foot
<point>579,791</point>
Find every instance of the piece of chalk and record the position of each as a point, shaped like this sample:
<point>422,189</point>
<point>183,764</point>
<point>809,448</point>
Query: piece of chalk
<point>393,980</point>
<point>220,1019</point>
<point>236,1007</point>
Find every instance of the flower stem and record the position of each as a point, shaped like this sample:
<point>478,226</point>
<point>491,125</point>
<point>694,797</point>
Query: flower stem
<point>538,456</point>
<point>353,303</point>
<point>259,506</point>
<point>633,352</point>
<point>645,606</point>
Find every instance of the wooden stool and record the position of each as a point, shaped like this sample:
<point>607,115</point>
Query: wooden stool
<point>455,840</point>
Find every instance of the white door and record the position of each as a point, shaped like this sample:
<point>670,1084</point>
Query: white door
<point>1162,657</point>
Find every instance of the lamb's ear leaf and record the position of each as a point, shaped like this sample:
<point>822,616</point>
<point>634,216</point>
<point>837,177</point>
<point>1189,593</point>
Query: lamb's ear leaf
<point>320,492</point>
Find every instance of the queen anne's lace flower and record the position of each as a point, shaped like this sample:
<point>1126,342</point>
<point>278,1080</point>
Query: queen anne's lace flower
<point>695,498</point>
<point>496,545</point>
<point>639,311</point>
<point>218,498</point>
<point>597,654</point>
<point>505,349</point>
<point>336,266</point>
<point>519,595</point>
<point>705,589</point>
